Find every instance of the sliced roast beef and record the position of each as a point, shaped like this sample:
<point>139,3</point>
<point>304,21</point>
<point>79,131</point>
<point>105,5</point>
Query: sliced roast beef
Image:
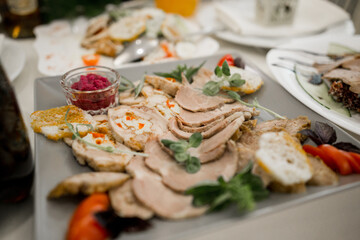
<point>88,183</point>
<point>175,176</point>
<point>199,129</point>
<point>134,125</point>
<point>197,119</point>
<point>201,78</point>
<point>324,68</point>
<point>150,191</point>
<point>174,127</point>
<point>125,203</point>
<point>168,86</point>
<point>351,78</point>
<point>194,100</point>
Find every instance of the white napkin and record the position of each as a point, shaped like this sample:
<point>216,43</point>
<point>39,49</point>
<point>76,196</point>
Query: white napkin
<point>312,16</point>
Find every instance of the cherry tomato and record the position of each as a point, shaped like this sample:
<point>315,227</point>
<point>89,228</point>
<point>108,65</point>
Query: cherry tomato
<point>340,159</point>
<point>83,224</point>
<point>228,58</point>
<point>316,151</point>
<point>90,59</point>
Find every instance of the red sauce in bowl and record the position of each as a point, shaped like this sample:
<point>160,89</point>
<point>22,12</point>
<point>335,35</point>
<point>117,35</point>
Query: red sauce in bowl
<point>93,100</point>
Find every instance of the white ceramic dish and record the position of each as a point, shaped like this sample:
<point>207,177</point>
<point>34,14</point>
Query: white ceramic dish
<point>13,58</point>
<point>287,78</point>
<point>206,16</point>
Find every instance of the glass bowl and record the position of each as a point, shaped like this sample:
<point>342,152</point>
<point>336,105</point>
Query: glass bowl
<point>93,102</point>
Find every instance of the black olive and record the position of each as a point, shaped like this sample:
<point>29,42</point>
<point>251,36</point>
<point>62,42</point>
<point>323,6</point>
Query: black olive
<point>239,63</point>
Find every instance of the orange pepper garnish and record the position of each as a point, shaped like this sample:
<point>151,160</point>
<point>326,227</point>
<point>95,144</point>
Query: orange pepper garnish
<point>119,125</point>
<point>98,135</point>
<point>166,49</point>
<point>90,59</point>
<point>129,118</point>
<point>169,105</point>
<point>98,141</point>
<point>171,79</point>
<point>141,125</point>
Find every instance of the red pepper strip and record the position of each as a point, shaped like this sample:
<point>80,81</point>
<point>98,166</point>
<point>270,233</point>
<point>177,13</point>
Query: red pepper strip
<point>355,165</point>
<point>228,58</point>
<point>316,151</point>
<point>166,49</point>
<point>83,224</point>
<point>338,157</point>
<point>356,156</point>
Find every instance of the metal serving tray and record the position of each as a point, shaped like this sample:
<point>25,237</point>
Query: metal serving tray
<point>55,162</point>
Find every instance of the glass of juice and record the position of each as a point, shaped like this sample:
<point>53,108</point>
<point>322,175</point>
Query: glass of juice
<point>185,8</point>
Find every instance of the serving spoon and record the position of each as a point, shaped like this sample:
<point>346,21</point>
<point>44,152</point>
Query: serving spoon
<point>144,45</point>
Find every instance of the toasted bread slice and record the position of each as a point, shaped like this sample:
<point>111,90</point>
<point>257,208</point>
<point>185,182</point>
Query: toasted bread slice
<point>283,159</point>
<point>51,122</point>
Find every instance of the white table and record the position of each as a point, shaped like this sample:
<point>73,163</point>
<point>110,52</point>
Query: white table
<point>333,217</point>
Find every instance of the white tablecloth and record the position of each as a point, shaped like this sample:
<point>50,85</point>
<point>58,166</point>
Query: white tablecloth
<point>332,217</point>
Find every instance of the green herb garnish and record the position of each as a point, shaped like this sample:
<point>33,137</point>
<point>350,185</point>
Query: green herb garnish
<point>176,74</point>
<point>243,189</point>
<point>76,135</point>
<point>180,148</point>
<point>212,88</point>
<point>126,84</point>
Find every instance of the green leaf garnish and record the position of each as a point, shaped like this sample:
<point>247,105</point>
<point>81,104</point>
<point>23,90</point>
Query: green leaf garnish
<point>176,74</point>
<point>180,149</point>
<point>211,88</point>
<point>125,84</point>
<point>243,189</point>
<point>225,68</point>
<point>139,87</point>
<point>110,149</point>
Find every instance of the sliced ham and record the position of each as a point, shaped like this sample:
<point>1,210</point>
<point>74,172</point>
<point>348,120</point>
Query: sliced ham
<point>175,176</point>
<point>201,78</point>
<point>150,191</point>
<point>125,203</point>
<point>151,124</point>
<point>101,160</point>
<point>168,86</point>
<point>174,127</point>
<point>88,183</point>
<point>197,119</point>
<point>198,129</point>
<point>195,101</point>
<point>351,78</point>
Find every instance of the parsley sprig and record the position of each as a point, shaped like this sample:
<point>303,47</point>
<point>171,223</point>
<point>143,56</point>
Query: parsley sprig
<point>180,149</point>
<point>189,72</point>
<point>212,88</point>
<point>76,135</point>
<point>126,84</point>
<point>243,189</point>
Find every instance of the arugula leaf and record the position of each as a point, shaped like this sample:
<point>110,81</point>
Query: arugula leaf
<point>176,74</point>
<point>243,189</point>
<point>180,150</point>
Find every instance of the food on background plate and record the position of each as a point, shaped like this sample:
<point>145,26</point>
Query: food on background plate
<point>196,160</point>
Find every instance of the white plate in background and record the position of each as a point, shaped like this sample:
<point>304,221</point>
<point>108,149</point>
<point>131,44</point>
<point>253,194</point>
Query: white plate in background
<point>287,78</point>
<point>206,17</point>
<point>12,58</point>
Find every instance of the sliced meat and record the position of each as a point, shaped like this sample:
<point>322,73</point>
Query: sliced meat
<point>195,101</point>
<point>102,123</point>
<point>353,65</point>
<point>101,160</point>
<point>198,129</point>
<point>175,176</point>
<point>88,183</point>
<point>324,68</point>
<point>322,175</point>
<point>150,191</point>
<point>168,86</point>
<point>212,148</point>
<point>174,128</point>
<point>198,119</point>
<point>201,78</point>
<point>128,98</point>
<point>351,78</point>
<point>292,126</point>
<point>134,125</point>
<point>125,203</point>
